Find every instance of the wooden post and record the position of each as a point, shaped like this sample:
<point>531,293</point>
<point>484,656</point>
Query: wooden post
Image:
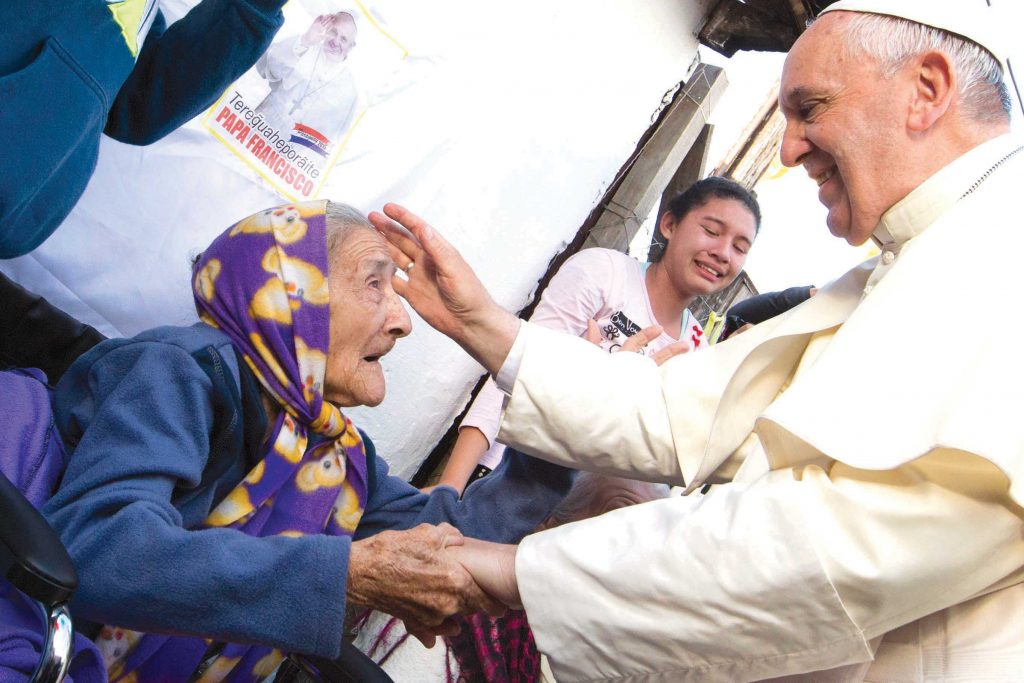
<point>658,161</point>
<point>690,171</point>
<point>757,146</point>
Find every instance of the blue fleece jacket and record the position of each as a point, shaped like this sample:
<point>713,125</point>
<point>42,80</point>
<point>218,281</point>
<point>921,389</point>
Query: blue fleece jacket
<point>68,74</point>
<point>138,418</point>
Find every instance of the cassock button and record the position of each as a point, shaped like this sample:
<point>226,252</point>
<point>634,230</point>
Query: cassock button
<point>888,257</point>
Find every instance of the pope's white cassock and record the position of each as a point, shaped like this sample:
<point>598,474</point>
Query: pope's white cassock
<point>875,441</point>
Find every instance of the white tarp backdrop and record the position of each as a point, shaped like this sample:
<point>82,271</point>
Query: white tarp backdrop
<point>503,124</point>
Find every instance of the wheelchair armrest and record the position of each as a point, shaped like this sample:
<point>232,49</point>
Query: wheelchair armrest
<point>351,667</point>
<point>32,556</point>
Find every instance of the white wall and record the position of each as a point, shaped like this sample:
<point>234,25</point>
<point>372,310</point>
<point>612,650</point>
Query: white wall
<point>515,118</point>
<point>1011,13</point>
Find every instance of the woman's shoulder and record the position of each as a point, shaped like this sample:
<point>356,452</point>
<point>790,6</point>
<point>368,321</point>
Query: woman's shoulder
<point>168,351</point>
<point>160,375</point>
<point>600,266</point>
<point>190,338</point>
<point>602,257</point>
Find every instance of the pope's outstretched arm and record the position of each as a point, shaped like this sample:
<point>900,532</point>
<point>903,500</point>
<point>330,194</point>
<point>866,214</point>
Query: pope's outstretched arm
<point>447,294</point>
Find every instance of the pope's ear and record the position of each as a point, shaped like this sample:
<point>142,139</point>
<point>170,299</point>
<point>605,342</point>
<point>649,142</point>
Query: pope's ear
<point>934,90</point>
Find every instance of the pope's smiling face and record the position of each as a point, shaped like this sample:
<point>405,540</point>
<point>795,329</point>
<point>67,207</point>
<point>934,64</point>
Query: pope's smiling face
<point>340,38</point>
<point>844,126</point>
<point>367,318</point>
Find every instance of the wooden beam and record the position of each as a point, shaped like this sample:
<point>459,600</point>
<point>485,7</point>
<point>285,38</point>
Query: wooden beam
<point>801,14</point>
<point>693,168</point>
<point>757,146</point>
<point>763,25</point>
<point>657,162</point>
<point>690,171</point>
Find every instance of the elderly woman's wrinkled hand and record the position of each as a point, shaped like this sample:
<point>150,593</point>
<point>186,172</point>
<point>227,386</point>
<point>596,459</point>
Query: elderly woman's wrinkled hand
<point>443,288</point>
<point>410,575</point>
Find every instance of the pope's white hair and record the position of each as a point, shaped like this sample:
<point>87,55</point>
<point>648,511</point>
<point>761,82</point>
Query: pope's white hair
<point>893,41</point>
<point>350,15</point>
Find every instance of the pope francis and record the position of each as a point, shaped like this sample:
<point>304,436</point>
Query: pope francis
<point>871,527</point>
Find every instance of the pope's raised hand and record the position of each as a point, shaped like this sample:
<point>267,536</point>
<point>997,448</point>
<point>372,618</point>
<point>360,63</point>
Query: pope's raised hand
<point>317,31</point>
<point>443,288</point>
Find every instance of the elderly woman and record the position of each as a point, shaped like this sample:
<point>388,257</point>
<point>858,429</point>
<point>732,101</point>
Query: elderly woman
<point>215,491</point>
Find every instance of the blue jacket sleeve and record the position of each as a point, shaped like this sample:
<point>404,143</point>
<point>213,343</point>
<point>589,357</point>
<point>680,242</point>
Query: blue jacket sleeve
<point>503,506</point>
<point>137,418</point>
<point>182,70</point>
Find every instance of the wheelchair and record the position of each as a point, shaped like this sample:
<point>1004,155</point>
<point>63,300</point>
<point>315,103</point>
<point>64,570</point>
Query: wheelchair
<point>35,562</point>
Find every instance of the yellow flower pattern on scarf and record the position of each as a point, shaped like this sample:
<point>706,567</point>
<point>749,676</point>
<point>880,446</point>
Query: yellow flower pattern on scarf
<point>312,366</point>
<point>268,358</point>
<point>288,443</point>
<point>256,474</point>
<point>302,281</point>
<point>205,279</point>
<point>236,506</point>
<point>271,303</point>
<point>286,221</point>
<point>347,510</point>
<point>328,471</point>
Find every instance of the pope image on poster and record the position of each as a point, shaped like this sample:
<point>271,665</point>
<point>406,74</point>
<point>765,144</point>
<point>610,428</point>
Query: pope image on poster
<point>290,115</point>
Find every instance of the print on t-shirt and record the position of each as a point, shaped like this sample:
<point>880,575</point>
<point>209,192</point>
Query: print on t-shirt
<point>627,326</point>
<point>620,324</point>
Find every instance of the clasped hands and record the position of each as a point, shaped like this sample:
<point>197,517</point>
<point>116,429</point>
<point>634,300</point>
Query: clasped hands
<point>428,574</point>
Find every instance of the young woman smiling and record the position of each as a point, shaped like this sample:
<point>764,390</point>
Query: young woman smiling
<point>608,296</point>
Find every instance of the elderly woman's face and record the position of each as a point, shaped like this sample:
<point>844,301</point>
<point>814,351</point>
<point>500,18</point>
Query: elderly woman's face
<point>367,317</point>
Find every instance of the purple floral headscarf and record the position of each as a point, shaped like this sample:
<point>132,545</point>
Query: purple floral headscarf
<point>263,283</point>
